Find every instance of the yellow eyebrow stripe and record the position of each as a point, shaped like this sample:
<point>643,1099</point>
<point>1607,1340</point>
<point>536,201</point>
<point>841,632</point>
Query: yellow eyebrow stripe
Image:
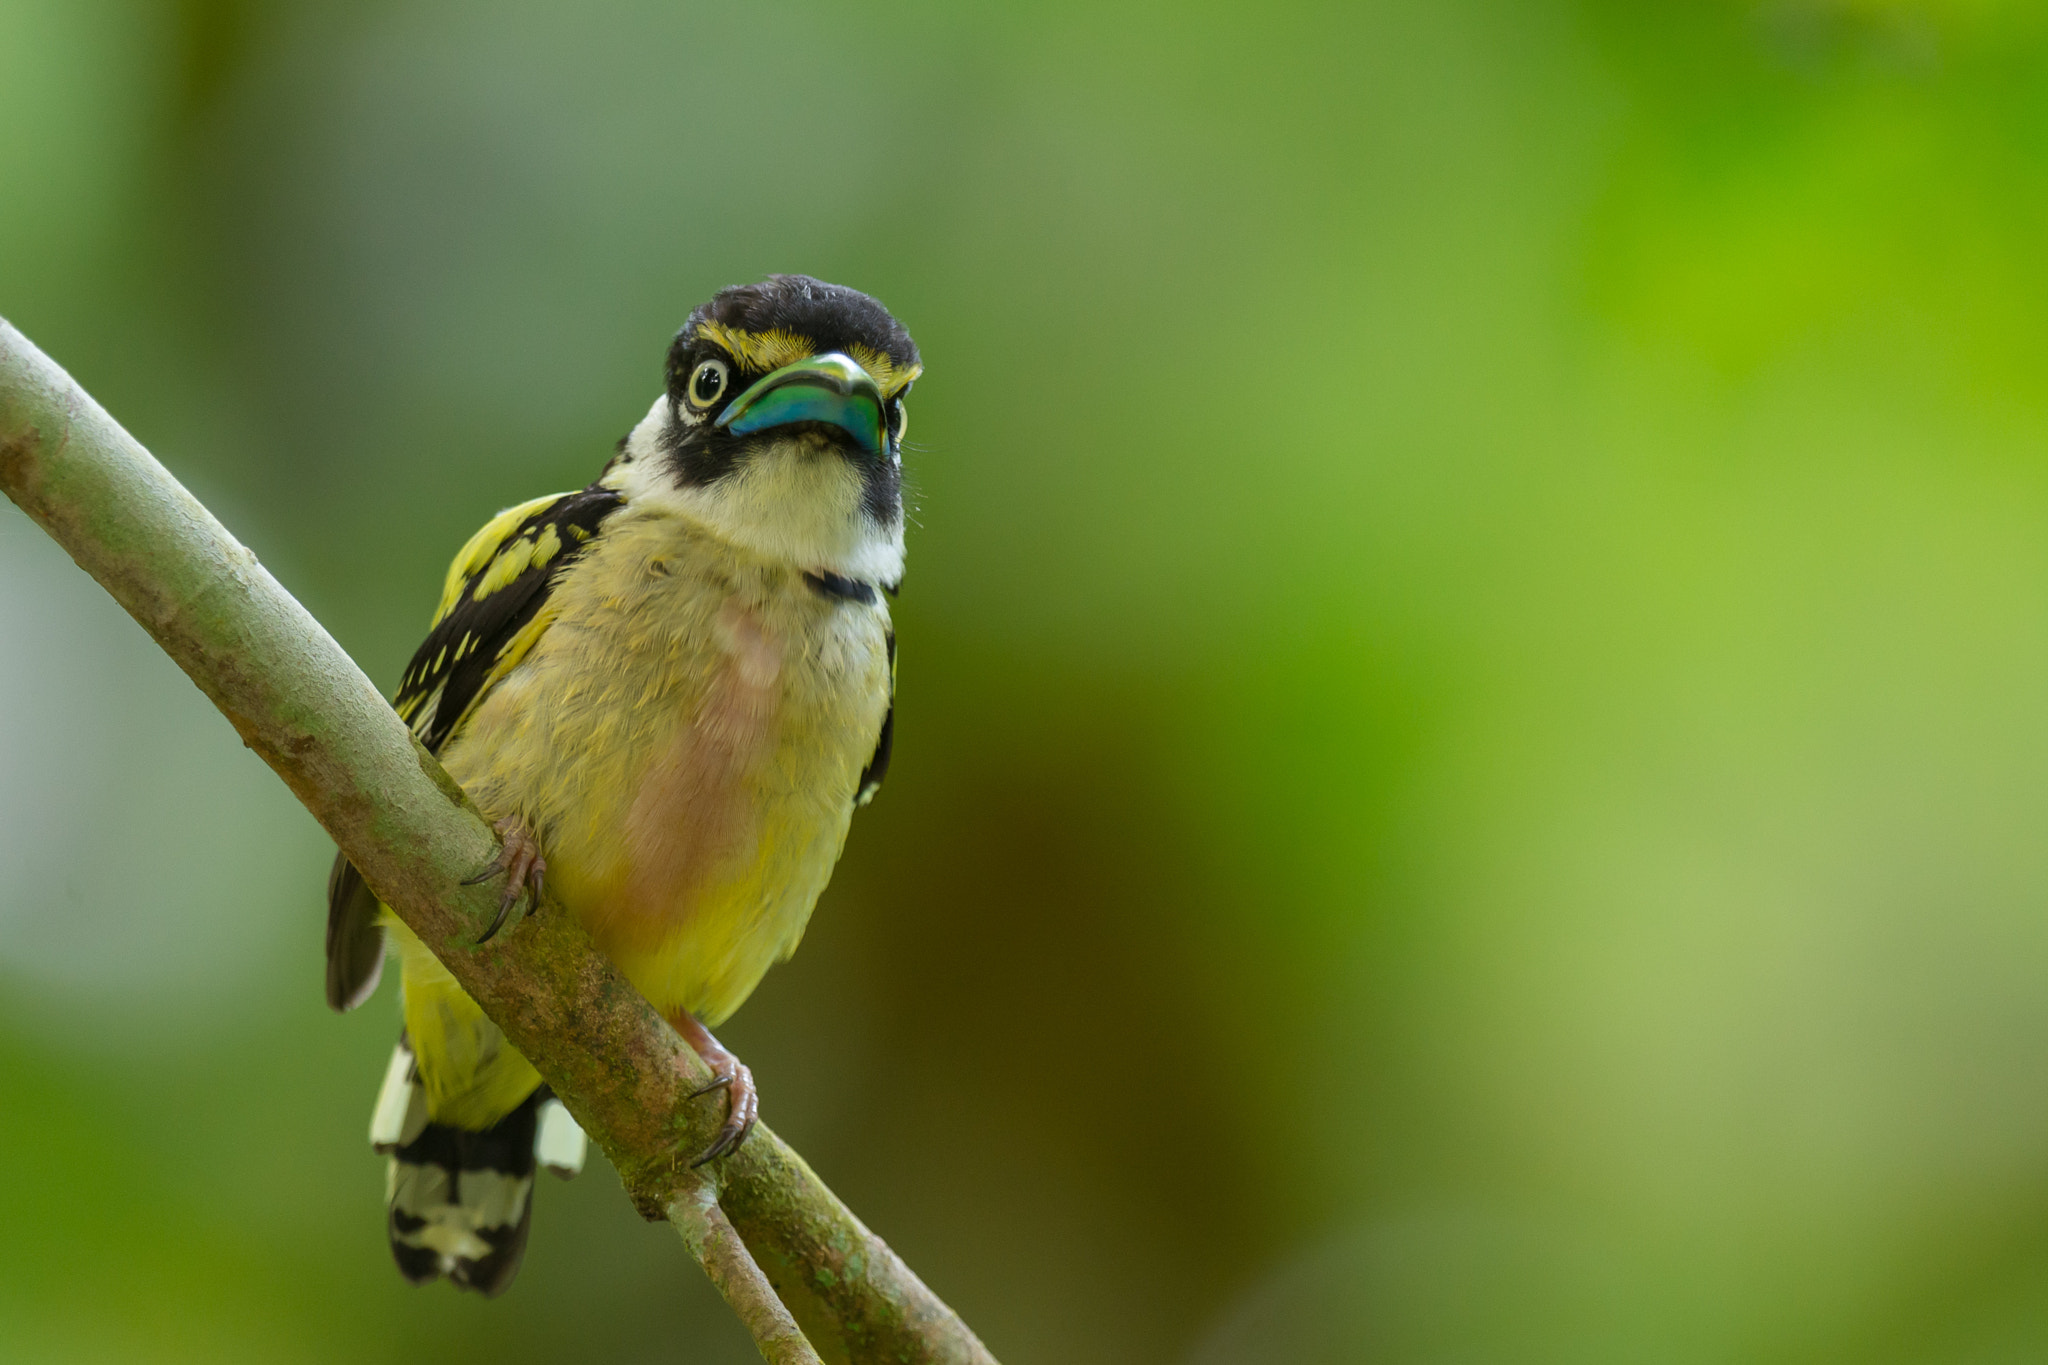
<point>771,350</point>
<point>762,351</point>
<point>891,380</point>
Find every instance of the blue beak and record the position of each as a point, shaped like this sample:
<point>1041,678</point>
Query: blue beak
<point>828,388</point>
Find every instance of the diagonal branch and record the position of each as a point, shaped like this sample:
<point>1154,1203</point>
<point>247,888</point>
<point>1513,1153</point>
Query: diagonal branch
<point>299,701</point>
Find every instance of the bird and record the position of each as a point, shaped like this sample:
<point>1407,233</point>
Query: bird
<point>668,692</point>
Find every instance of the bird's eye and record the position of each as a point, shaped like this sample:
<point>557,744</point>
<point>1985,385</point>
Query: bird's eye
<point>707,383</point>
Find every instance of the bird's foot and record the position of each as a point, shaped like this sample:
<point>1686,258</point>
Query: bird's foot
<point>519,859</point>
<point>728,1073</point>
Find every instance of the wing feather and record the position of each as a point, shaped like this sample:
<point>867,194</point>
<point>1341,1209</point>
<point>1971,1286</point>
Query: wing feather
<point>494,607</point>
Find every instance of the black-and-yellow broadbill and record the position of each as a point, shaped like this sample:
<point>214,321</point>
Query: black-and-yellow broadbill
<point>669,690</point>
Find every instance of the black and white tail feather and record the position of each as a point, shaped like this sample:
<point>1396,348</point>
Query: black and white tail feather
<point>461,1201</point>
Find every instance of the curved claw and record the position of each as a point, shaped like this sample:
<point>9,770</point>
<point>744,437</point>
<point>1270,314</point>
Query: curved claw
<point>498,920</point>
<point>729,1137</point>
<point>519,857</point>
<point>728,1073</point>
<point>497,866</point>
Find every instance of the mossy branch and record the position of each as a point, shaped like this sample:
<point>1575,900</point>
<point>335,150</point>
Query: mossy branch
<point>300,702</point>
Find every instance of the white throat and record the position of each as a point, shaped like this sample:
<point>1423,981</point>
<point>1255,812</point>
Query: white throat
<point>793,505</point>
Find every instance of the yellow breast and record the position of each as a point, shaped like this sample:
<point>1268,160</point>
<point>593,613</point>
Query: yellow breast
<point>685,739</point>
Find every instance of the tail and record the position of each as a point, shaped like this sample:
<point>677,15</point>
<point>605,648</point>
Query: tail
<point>461,1200</point>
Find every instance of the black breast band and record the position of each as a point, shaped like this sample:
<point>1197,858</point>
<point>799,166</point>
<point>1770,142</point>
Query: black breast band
<point>827,584</point>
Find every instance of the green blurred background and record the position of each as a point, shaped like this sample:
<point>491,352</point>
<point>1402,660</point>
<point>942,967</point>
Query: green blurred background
<point>1473,748</point>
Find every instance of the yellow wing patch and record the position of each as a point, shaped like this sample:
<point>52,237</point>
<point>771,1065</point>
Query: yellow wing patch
<point>482,549</point>
<point>527,552</point>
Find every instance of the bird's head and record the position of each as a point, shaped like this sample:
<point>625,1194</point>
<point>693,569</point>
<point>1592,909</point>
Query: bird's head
<point>781,427</point>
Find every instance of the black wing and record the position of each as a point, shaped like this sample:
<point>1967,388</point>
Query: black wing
<point>878,766</point>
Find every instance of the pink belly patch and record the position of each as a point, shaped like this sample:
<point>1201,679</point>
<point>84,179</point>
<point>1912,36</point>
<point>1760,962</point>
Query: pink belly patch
<point>695,814</point>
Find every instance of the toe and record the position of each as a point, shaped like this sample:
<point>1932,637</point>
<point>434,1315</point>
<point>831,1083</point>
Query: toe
<point>524,869</point>
<point>748,1108</point>
<point>743,1108</point>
